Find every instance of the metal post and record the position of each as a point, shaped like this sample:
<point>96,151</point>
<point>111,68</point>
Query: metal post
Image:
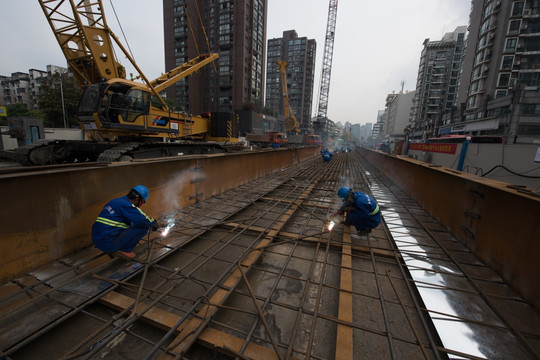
<point>63,107</point>
<point>463,153</point>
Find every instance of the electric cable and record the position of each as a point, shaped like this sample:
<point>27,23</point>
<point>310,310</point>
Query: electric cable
<point>512,172</point>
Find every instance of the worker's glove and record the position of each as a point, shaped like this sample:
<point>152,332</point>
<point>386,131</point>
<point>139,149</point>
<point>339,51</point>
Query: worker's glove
<point>155,227</point>
<point>336,213</point>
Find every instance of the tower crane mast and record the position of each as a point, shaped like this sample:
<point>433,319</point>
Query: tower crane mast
<point>320,123</point>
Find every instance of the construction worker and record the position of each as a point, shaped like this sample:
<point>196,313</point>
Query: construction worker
<point>327,156</point>
<point>362,210</point>
<point>122,224</point>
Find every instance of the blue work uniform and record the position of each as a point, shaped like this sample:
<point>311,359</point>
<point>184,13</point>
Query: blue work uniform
<point>327,156</point>
<point>120,226</point>
<point>362,211</point>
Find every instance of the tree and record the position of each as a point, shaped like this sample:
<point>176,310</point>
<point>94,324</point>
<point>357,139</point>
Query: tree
<point>17,109</point>
<point>54,89</point>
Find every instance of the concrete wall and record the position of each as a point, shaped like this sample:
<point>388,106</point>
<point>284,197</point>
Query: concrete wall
<point>46,215</point>
<point>505,232</point>
<point>10,143</point>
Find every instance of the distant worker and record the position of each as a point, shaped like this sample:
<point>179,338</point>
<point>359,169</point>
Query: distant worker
<point>275,145</point>
<point>327,156</point>
<point>362,210</point>
<point>122,224</point>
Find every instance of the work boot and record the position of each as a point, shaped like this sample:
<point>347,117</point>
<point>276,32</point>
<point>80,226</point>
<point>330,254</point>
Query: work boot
<point>126,255</point>
<point>364,232</point>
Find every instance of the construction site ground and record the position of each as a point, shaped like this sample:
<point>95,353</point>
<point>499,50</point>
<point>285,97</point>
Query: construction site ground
<point>255,273</point>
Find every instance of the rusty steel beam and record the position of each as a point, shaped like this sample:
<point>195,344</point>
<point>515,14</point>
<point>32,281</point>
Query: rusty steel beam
<point>47,213</point>
<point>505,236</point>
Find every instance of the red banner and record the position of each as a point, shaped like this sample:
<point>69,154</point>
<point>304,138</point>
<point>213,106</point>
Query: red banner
<point>438,148</point>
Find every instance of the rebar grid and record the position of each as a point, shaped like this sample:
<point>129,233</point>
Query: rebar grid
<point>254,273</point>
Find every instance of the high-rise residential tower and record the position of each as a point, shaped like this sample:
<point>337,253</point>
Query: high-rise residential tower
<point>236,30</point>
<point>300,53</point>
<point>437,82</point>
<point>499,91</point>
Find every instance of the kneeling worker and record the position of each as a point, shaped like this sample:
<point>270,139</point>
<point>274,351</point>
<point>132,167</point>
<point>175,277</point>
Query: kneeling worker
<point>122,224</point>
<point>362,210</point>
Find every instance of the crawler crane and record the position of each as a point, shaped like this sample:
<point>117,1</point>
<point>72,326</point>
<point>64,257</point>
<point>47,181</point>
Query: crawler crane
<point>291,124</point>
<point>130,115</point>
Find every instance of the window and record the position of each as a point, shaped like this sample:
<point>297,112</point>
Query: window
<point>514,27</point>
<point>510,45</point>
<point>507,62</point>
<point>504,80</point>
<point>471,102</point>
<point>517,10</point>
<point>500,93</point>
<point>530,109</point>
<point>529,130</point>
<point>474,87</point>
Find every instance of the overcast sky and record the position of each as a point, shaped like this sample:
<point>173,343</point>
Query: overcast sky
<point>377,43</point>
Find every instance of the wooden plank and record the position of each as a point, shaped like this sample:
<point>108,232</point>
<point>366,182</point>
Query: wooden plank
<point>211,338</point>
<point>344,340</point>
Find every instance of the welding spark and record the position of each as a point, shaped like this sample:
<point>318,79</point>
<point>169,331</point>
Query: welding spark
<point>170,224</point>
<point>331,225</point>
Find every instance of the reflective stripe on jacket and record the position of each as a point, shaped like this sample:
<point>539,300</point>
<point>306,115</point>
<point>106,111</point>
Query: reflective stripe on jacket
<point>362,210</point>
<point>117,215</point>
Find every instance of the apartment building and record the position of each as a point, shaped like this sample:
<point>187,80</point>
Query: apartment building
<point>15,89</point>
<point>499,92</point>
<point>37,77</point>
<point>236,30</point>
<point>24,88</point>
<point>397,114</point>
<point>300,54</point>
<point>437,83</point>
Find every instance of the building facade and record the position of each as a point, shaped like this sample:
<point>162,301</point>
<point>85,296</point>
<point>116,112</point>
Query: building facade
<point>16,89</point>
<point>397,114</point>
<point>300,53</point>
<point>437,82</point>
<point>24,88</point>
<point>500,81</point>
<point>236,30</point>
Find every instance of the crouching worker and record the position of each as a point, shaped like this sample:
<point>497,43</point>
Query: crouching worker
<point>122,224</point>
<point>362,210</point>
<point>327,156</point>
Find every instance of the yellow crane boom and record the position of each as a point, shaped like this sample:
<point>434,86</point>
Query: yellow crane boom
<point>290,123</point>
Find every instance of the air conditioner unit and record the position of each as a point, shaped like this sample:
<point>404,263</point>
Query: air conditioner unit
<point>527,12</point>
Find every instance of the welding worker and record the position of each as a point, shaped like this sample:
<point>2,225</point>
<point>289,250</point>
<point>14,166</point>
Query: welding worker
<point>362,210</point>
<point>122,224</point>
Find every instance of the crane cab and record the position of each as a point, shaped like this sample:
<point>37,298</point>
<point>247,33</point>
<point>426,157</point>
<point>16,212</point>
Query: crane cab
<point>118,106</point>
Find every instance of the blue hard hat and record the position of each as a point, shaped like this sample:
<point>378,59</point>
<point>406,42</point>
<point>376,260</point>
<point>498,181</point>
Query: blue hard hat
<point>143,191</point>
<point>343,192</point>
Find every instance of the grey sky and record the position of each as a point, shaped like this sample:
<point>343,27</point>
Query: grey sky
<point>377,43</point>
